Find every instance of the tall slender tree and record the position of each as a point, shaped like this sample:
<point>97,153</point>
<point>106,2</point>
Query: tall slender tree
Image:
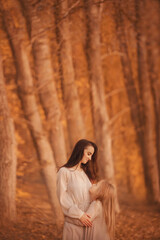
<point>149,116</point>
<point>99,109</point>
<point>100,114</point>
<point>8,159</point>
<point>153,61</point>
<point>134,102</point>
<point>75,122</point>
<point>46,78</point>
<point>16,28</point>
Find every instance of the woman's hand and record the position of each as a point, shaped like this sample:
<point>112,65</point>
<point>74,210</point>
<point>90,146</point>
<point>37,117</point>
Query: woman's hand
<point>85,219</point>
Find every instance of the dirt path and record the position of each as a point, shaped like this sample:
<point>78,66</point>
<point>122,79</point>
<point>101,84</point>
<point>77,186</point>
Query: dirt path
<point>35,220</point>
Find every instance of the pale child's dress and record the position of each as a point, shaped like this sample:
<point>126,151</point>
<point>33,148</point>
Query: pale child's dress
<point>98,231</point>
<point>73,194</point>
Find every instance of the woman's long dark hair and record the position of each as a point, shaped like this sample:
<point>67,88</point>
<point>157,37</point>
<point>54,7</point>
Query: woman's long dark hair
<point>90,168</point>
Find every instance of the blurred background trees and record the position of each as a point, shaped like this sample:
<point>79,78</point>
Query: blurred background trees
<point>81,69</point>
<point>8,162</point>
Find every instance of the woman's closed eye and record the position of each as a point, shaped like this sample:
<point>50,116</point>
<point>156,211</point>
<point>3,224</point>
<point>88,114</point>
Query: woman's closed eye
<point>90,154</point>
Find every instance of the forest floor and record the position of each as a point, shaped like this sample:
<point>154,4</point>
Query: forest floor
<point>35,220</point>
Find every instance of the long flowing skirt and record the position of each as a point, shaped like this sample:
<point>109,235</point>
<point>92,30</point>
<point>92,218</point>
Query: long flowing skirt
<point>73,232</point>
<point>98,231</point>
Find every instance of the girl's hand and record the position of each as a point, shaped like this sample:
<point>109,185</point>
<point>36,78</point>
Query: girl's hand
<point>85,219</point>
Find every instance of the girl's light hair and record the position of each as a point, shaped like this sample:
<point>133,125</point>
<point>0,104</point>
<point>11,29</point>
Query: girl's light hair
<point>106,193</point>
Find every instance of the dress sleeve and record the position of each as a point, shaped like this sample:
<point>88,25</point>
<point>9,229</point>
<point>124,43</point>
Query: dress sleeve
<point>69,208</point>
<point>74,221</point>
<point>94,209</point>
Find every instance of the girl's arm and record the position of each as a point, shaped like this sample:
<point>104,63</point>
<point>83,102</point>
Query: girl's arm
<point>93,210</point>
<point>69,208</point>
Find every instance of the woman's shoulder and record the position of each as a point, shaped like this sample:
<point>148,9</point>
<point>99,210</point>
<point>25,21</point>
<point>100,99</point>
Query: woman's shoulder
<point>63,173</point>
<point>62,169</point>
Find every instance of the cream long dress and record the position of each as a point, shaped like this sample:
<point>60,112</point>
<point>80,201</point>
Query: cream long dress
<point>73,194</point>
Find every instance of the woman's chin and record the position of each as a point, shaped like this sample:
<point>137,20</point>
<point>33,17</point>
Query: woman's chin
<point>85,162</point>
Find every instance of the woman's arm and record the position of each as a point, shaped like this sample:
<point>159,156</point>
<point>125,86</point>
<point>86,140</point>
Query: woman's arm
<point>69,208</point>
<point>74,221</point>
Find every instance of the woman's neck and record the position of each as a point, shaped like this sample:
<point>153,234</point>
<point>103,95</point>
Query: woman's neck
<point>78,167</point>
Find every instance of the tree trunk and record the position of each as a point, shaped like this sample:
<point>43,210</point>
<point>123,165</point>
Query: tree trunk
<point>46,82</point>
<point>16,29</point>
<point>8,159</point>
<point>135,109</point>
<point>153,43</point>
<point>148,104</point>
<point>100,114</point>
<point>75,120</point>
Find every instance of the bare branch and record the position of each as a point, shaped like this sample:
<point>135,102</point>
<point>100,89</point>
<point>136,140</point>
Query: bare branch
<point>41,33</point>
<point>69,10</point>
<point>22,120</point>
<point>114,118</point>
<point>119,135</point>
<point>112,54</point>
<point>126,109</point>
<point>111,93</point>
<point>100,11</point>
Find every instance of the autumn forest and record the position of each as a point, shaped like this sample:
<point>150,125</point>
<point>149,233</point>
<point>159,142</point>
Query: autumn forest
<point>70,70</point>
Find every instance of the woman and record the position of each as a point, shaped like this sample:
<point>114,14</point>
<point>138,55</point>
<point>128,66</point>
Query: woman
<point>74,180</point>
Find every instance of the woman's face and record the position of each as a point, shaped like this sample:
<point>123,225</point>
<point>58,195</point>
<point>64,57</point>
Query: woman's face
<point>93,190</point>
<point>87,156</point>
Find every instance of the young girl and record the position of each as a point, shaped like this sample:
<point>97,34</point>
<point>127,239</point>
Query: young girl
<point>102,212</point>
